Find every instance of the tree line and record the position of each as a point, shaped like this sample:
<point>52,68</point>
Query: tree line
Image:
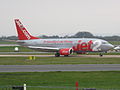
<point>77,35</point>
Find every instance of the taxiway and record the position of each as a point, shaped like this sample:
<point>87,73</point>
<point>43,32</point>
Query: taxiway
<point>94,56</point>
<point>47,68</point>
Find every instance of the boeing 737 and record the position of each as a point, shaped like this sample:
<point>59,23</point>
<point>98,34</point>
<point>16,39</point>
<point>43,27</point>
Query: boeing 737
<point>61,46</point>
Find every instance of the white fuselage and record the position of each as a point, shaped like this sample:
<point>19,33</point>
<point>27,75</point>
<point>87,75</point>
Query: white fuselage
<point>61,46</point>
<point>78,44</point>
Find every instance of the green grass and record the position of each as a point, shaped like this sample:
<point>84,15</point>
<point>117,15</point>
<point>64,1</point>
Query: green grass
<point>7,42</point>
<point>55,60</point>
<point>115,42</point>
<point>109,79</point>
<point>21,49</point>
<point>11,49</point>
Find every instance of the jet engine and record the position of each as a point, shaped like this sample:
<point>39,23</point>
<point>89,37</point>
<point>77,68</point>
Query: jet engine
<point>66,51</point>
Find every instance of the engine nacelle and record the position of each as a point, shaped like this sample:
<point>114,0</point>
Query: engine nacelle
<point>66,51</point>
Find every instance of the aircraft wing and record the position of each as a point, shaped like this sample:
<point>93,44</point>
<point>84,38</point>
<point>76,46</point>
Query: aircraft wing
<point>44,49</point>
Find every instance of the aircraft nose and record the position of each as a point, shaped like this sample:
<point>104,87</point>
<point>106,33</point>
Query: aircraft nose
<point>106,47</point>
<point>110,46</point>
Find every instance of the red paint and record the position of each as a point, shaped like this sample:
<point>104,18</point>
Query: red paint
<point>79,41</point>
<point>22,32</point>
<point>76,84</point>
<point>84,46</point>
<point>78,47</point>
<point>75,48</point>
<point>89,45</point>
<point>65,51</point>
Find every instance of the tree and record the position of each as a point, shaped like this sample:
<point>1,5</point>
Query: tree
<point>84,35</point>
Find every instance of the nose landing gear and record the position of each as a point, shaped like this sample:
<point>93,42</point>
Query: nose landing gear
<point>100,54</point>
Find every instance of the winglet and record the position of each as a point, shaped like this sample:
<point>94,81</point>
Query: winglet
<point>23,34</point>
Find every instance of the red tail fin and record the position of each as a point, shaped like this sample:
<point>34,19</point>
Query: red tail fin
<point>23,34</point>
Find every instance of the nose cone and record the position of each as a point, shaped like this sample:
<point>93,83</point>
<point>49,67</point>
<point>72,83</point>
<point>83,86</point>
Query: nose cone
<point>110,46</point>
<point>107,47</point>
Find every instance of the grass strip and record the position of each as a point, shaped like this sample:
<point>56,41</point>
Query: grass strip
<point>97,79</point>
<point>57,60</point>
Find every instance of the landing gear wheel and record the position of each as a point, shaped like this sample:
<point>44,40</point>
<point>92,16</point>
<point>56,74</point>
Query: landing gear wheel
<point>57,55</point>
<point>100,54</point>
<point>66,55</point>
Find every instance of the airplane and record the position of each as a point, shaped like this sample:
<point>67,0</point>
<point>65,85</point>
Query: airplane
<point>62,46</point>
<point>117,48</point>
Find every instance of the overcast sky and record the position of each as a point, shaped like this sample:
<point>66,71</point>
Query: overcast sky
<point>60,17</point>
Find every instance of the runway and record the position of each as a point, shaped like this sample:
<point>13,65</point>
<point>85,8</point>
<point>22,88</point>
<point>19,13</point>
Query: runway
<point>47,68</point>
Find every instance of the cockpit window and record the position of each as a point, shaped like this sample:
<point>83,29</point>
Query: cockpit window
<point>104,42</point>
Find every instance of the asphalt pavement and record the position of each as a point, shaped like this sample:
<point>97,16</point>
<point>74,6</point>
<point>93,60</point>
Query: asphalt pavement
<point>47,68</point>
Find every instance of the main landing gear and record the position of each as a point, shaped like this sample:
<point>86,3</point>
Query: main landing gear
<point>102,53</point>
<point>57,54</point>
<point>66,55</point>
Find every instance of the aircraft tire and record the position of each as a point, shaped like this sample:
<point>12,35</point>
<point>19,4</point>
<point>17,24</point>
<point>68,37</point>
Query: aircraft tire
<point>57,55</point>
<point>66,55</point>
<point>100,54</point>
